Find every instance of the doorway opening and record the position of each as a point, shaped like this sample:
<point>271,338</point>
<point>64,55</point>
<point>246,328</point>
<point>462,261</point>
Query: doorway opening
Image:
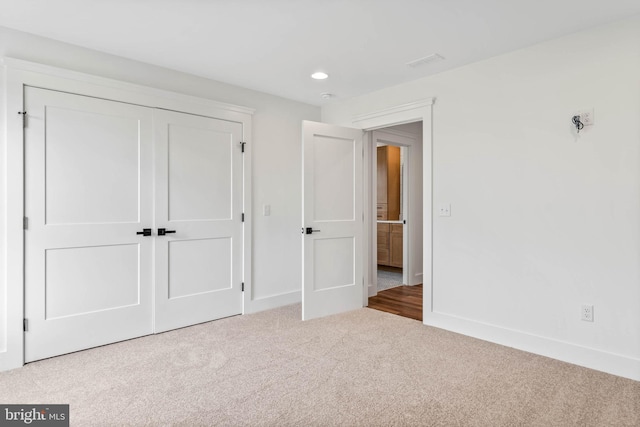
<point>396,182</point>
<point>390,209</point>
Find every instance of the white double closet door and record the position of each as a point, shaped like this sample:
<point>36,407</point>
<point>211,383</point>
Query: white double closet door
<point>97,173</point>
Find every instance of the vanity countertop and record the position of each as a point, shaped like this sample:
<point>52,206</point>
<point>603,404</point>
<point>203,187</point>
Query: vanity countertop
<point>388,222</point>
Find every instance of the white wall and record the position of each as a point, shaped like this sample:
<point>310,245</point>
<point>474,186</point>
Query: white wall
<point>276,157</point>
<point>542,221</point>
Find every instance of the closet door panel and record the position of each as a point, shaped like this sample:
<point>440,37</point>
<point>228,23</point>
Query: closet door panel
<point>199,204</point>
<point>88,192</point>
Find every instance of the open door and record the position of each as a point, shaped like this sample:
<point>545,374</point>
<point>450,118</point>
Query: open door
<point>332,219</point>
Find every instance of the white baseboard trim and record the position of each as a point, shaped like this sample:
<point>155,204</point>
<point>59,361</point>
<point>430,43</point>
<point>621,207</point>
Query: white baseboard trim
<point>10,360</point>
<point>417,279</point>
<point>273,301</point>
<point>371,290</point>
<point>599,360</point>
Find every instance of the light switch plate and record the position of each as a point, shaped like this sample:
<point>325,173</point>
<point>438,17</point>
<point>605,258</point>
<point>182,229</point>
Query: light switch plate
<point>266,210</point>
<point>444,209</point>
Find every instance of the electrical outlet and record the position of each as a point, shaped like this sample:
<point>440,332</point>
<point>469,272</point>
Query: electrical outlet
<point>266,210</point>
<point>587,313</point>
<point>586,116</point>
<point>444,210</point>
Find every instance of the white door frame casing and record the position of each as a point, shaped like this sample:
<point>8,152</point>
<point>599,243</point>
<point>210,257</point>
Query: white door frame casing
<point>18,74</point>
<point>421,110</point>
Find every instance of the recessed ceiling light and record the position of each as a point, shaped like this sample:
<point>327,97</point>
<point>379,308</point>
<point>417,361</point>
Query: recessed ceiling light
<point>326,95</point>
<point>319,75</point>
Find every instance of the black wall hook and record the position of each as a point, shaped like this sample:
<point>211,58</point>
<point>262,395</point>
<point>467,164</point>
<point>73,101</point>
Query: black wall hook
<point>577,123</point>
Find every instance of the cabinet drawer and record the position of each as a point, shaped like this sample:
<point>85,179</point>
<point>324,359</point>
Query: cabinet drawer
<point>396,228</point>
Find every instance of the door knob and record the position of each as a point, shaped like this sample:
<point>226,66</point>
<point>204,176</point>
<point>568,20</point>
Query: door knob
<point>163,231</point>
<point>145,232</point>
<point>311,230</point>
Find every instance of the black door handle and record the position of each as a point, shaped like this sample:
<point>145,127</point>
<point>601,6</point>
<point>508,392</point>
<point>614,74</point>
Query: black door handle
<point>311,230</point>
<point>145,232</point>
<point>163,231</point>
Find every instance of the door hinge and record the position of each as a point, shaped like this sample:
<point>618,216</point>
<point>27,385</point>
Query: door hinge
<point>242,286</point>
<point>24,118</point>
<point>25,223</point>
<point>242,216</point>
<point>25,325</point>
<point>242,144</point>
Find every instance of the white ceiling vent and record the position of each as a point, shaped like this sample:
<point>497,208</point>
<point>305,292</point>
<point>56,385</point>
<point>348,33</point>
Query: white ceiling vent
<point>434,57</point>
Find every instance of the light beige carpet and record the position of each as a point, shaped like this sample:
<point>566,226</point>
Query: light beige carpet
<point>364,367</point>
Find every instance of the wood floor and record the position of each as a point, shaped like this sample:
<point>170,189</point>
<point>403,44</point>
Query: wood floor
<point>404,301</point>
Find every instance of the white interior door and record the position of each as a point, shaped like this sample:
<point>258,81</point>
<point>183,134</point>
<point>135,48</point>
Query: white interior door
<point>332,219</point>
<point>88,183</point>
<point>199,202</point>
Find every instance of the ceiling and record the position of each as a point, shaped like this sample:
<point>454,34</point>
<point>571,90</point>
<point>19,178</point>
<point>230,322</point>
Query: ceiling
<point>274,45</point>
